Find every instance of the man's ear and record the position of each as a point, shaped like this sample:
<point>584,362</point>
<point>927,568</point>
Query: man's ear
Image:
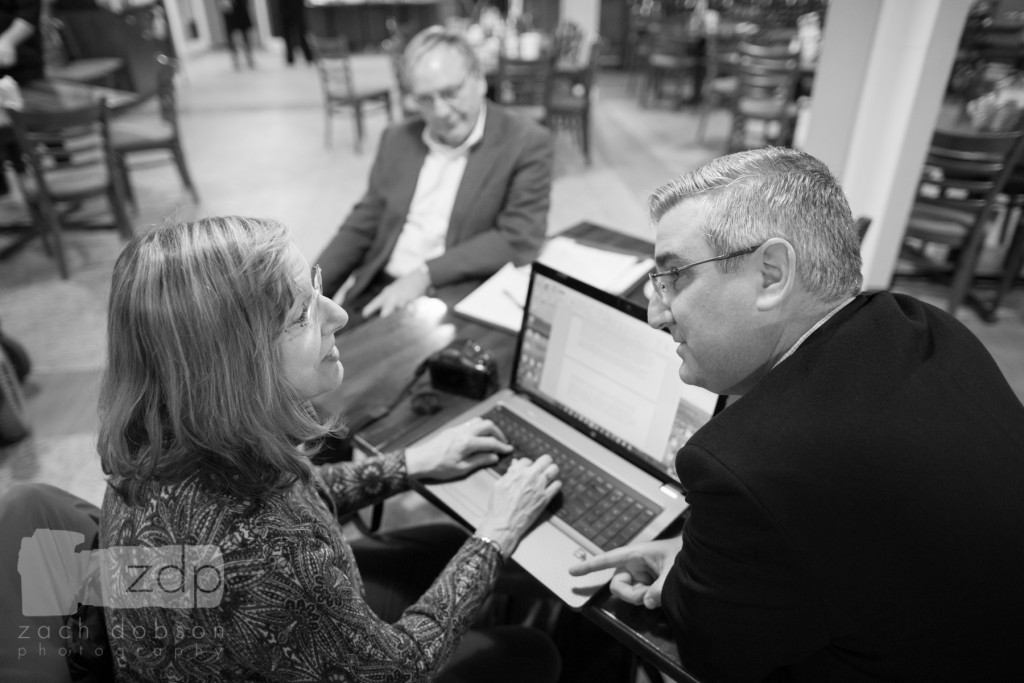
<point>481,86</point>
<point>777,271</point>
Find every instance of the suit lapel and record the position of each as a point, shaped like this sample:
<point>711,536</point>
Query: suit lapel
<point>482,159</point>
<point>411,156</point>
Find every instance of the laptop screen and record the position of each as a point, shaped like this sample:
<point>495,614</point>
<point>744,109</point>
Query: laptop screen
<point>591,358</point>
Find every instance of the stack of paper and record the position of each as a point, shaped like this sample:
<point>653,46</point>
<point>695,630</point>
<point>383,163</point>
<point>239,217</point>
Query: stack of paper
<point>499,301</point>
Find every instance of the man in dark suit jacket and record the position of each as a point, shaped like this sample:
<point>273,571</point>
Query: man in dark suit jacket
<point>857,513</point>
<point>461,191</point>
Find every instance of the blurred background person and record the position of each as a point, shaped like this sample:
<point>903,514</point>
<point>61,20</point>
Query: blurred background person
<point>293,30</point>
<point>454,193</point>
<point>237,24</point>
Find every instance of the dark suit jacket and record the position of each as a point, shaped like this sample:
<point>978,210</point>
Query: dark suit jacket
<point>500,211</point>
<point>860,513</point>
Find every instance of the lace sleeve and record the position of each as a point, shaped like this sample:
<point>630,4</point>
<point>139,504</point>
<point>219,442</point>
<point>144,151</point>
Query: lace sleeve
<point>307,614</point>
<point>354,485</point>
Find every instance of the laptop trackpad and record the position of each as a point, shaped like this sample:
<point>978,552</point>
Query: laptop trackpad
<point>547,553</point>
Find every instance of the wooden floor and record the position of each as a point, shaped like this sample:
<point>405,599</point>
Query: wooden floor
<point>255,143</point>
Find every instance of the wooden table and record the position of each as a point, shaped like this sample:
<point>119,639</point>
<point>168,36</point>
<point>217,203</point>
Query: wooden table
<point>380,358</point>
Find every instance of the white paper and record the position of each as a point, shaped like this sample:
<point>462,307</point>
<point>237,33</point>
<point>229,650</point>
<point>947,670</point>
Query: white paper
<point>500,299</point>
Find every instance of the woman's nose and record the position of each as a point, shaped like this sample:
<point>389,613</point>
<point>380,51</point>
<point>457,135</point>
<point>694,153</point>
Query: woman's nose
<point>335,318</point>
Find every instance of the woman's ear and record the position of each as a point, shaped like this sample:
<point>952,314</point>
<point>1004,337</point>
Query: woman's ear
<point>777,269</point>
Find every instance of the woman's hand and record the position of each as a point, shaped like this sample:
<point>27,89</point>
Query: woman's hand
<point>518,499</point>
<point>457,451</point>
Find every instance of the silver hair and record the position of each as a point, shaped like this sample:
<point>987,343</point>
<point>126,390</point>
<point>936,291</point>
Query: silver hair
<point>749,197</point>
<point>430,39</point>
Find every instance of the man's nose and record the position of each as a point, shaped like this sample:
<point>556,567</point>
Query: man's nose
<point>659,315</point>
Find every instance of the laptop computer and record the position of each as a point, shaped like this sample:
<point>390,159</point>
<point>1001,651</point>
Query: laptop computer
<point>591,380</point>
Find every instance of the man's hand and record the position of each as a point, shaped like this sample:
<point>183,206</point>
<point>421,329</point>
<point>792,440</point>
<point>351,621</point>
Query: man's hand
<point>14,35</point>
<point>640,570</point>
<point>399,293</point>
<point>457,451</point>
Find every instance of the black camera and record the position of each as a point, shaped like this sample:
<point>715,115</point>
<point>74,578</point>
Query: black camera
<point>464,367</point>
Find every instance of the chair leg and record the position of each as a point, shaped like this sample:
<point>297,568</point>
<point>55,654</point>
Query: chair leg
<point>357,115</point>
<point>52,221</point>
<point>1011,267</point>
<point>963,273</point>
<point>585,135</point>
<point>186,178</point>
<point>643,95</point>
<point>736,140</point>
<point>327,127</point>
<point>121,166</point>
<point>702,119</point>
<point>116,196</point>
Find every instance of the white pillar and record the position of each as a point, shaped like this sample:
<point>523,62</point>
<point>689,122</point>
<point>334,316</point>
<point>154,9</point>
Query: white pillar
<point>584,13</point>
<point>877,93</point>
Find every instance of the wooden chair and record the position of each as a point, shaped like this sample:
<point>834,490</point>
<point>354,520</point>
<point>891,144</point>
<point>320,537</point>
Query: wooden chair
<point>674,58</point>
<point>69,159</point>
<point>394,46</point>
<point>765,95</point>
<point>523,85</point>
<point>133,35</point>
<point>67,63</point>
<point>334,65</point>
<point>639,42</point>
<point>720,83</point>
<point>964,173</point>
<point>569,99</point>
<point>1013,258</point>
<point>134,134</point>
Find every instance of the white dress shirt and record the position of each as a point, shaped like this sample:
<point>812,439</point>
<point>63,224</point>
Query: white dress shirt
<point>426,225</point>
<point>808,333</point>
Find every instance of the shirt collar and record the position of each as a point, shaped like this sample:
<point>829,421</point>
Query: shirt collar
<point>808,333</point>
<point>475,135</point>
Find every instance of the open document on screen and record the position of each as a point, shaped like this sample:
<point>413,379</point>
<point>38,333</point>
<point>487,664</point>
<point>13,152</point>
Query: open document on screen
<point>611,371</point>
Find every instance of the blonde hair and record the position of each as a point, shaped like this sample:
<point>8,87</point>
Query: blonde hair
<point>193,382</point>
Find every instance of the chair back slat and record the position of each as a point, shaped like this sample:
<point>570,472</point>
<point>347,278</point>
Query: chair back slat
<point>968,167</point>
<point>332,57</point>
<point>961,180</point>
<point>333,60</point>
<point>70,158</point>
<point>524,81</point>
<point>767,71</point>
<point>59,143</point>
<point>722,55</point>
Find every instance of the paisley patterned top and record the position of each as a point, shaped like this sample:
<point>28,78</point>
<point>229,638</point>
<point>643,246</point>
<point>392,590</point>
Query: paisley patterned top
<point>292,606</point>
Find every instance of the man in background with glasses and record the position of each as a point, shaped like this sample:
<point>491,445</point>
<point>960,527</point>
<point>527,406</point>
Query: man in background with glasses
<point>856,512</point>
<point>454,193</point>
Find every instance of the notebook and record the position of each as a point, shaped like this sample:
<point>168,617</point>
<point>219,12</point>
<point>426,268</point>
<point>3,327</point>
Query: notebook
<point>590,378</point>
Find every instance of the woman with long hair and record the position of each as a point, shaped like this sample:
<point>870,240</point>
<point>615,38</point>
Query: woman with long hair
<point>219,343</point>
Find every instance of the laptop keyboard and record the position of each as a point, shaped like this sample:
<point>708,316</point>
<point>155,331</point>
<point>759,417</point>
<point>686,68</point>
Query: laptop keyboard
<point>591,501</point>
